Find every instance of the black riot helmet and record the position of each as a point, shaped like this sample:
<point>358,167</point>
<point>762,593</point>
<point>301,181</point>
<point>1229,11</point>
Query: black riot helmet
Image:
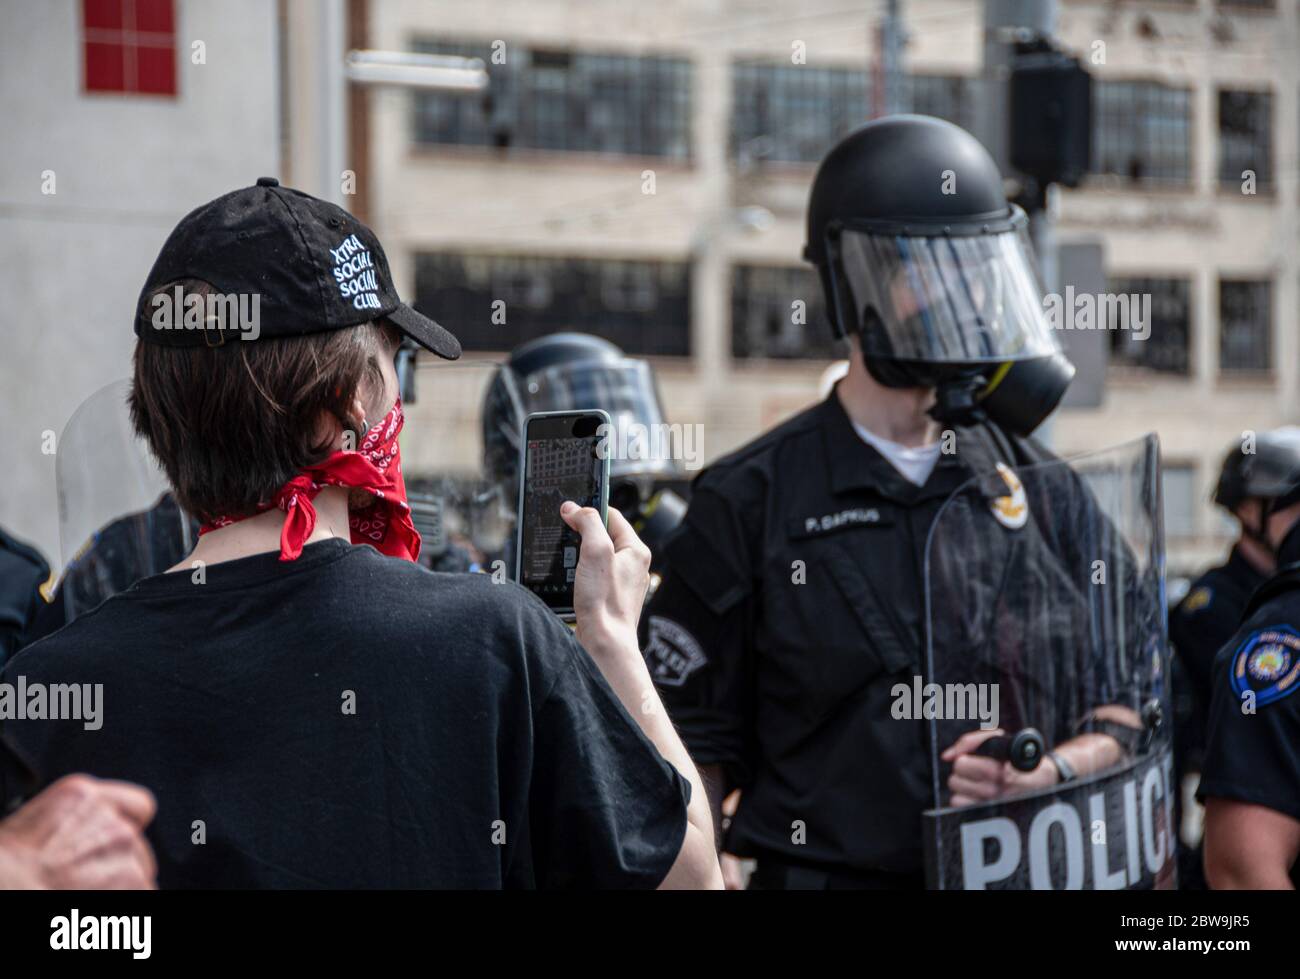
<point>572,372</point>
<point>1266,467</point>
<point>924,259</point>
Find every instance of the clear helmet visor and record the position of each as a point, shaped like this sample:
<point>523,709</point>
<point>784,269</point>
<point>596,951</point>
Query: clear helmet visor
<point>945,299</point>
<point>626,390</point>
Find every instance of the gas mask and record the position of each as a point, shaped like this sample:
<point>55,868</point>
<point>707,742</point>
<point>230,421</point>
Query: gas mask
<point>958,312</point>
<point>1016,395</point>
<point>653,512</point>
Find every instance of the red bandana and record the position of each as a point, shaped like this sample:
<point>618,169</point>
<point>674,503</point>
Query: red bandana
<point>375,468</point>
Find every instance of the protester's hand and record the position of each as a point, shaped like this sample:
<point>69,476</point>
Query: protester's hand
<point>613,574</point>
<point>734,877</point>
<point>733,871</point>
<point>80,833</point>
<point>976,778</point>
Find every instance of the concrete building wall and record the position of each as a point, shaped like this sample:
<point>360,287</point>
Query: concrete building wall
<point>126,169</point>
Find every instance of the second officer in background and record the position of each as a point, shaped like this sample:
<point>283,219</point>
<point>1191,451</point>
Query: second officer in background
<point>578,372</point>
<point>1251,778</point>
<point>1212,609</point>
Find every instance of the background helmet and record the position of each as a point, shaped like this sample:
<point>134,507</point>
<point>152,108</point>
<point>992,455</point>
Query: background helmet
<point>1271,472</point>
<point>569,372</point>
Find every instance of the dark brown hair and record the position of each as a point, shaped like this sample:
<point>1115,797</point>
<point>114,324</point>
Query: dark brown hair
<point>232,424</point>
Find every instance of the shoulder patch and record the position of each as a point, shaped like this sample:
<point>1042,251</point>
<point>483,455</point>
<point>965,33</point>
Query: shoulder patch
<point>672,653</point>
<point>1198,598</point>
<point>1267,663</point>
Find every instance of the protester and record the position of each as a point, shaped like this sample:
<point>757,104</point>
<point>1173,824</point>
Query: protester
<point>311,707</point>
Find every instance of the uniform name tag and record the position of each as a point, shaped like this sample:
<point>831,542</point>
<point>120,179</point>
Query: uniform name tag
<point>828,523</point>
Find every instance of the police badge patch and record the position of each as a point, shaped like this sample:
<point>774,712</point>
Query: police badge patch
<point>1011,511</point>
<point>1267,663</point>
<point>672,653</point>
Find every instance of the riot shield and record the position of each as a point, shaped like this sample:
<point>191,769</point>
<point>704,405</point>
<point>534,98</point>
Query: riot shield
<point>465,519</point>
<point>118,522</point>
<point>1045,633</point>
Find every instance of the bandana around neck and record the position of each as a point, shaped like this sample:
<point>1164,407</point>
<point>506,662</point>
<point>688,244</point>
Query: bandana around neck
<point>374,468</point>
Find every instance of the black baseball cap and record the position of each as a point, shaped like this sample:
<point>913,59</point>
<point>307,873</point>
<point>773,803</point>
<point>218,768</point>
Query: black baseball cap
<point>305,265</point>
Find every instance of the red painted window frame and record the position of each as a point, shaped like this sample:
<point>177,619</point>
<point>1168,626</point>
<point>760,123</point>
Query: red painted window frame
<point>128,47</point>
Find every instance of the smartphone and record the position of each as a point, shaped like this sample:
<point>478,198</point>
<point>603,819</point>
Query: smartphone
<point>563,457</point>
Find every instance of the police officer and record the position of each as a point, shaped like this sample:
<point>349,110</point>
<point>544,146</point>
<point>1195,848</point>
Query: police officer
<point>1250,782</point>
<point>24,578</point>
<point>119,554</point>
<point>1211,610</point>
<point>792,603</point>
<point>578,371</point>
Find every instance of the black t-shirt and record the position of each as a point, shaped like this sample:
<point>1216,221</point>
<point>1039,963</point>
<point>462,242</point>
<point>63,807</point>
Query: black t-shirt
<point>351,720</point>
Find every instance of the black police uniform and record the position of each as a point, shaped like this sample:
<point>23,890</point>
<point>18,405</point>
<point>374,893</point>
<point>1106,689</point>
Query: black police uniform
<point>22,574</point>
<point>1207,617</point>
<point>119,554</point>
<point>1199,625</point>
<point>788,686</point>
<point>1254,756</point>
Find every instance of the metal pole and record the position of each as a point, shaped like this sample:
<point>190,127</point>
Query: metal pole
<point>893,58</point>
<point>887,66</point>
<point>1005,23</point>
<point>332,98</point>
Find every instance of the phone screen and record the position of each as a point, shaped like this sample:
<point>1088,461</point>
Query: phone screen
<point>562,461</point>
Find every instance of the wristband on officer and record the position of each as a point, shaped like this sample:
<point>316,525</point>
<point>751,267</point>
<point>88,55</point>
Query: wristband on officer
<point>1066,770</point>
<point>1129,738</point>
